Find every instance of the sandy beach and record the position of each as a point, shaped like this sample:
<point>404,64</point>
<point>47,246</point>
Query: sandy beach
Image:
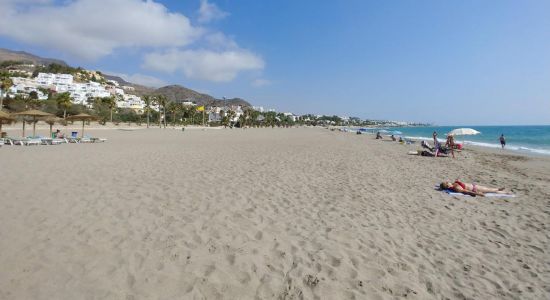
<point>299,213</point>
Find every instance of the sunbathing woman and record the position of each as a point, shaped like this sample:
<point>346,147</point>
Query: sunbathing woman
<point>471,189</point>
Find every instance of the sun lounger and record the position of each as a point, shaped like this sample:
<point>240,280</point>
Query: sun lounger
<point>85,140</point>
<point>7,141</point>
<point>19,141</point>
<point>54,141</point>
<point>98,140</point>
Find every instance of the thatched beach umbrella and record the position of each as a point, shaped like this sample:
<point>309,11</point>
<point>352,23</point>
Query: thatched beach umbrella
<point>35,115</point>
<point>83,118</point>
<point>5,119</point>
<point>52,120</point>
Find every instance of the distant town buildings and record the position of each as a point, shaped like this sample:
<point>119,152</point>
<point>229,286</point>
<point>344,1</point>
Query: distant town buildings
<point>83,92</point>
<point>80,92</point>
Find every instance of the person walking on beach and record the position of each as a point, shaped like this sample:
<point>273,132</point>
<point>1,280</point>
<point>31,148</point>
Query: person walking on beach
<point>502,140</point>
<point>450,144</point>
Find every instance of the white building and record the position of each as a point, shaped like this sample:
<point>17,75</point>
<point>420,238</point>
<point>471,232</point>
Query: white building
<point>47,79</point>
<point>215,115</point>
<point>132,102</point>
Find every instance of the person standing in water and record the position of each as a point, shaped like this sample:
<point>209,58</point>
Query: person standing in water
<point>502,140</point>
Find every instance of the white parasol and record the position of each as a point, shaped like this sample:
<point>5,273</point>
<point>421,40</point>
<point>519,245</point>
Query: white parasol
<point>463,131</point>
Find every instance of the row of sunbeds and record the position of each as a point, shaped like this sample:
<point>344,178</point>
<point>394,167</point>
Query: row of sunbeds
<point>30,141</point>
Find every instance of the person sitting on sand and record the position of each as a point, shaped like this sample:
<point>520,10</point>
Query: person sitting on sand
<point>378,136</point>
<point>471,189</point>
<point>59,134</point>
<point>393,138</point>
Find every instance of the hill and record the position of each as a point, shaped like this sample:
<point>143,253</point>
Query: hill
<point>6,54</point>
<point>179,93</point>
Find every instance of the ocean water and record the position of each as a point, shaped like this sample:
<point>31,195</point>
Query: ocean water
<point>529,139</point>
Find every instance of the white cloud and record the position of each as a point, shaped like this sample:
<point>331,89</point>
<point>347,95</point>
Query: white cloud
<point>204,64</point>
<point>209,12</point>
<point>219,40</point>
<point>94,28</point>
<point>259,82</point>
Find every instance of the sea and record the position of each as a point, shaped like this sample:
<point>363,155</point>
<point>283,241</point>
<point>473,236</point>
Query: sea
<point>527,139</point>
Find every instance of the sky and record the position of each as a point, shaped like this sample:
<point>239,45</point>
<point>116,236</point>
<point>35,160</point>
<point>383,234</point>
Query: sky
<point>444,62</point>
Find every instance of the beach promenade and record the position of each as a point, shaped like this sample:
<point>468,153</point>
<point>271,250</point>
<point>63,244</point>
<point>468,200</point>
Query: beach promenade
<point>299,213</point>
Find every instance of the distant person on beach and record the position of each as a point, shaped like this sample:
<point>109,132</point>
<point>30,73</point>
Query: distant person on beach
<point>450,144</point>
<point>427,153</point>
<point>437,145</point>
<point>59,134</point>
<point>378,136</point>
<point>393,138</point>
<point>471,189</point>
<point>502,140</point>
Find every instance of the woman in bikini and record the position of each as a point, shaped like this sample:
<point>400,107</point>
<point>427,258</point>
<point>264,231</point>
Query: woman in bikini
<point>471,189</point>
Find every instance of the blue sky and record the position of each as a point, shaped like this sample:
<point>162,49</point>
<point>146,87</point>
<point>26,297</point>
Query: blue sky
<point>447,62</point>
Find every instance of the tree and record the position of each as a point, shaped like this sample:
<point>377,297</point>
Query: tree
<point>147,99</point>
<point>111,104</point>
<point>161,100</point>
<point>231,115</point>
<point>5,84</point>
<point>173,108</point>
<point>64,101</point>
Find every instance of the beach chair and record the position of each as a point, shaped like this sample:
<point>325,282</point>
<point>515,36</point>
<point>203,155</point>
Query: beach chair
<point>99,140</point>
<point>19,141</point>
<point>52,141</point>
<point>7,141</point>
<point>72,140</point>
<point>34,141</point>
<point>85,140</point>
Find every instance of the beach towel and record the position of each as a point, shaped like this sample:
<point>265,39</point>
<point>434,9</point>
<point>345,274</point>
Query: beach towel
<point>486,194</point>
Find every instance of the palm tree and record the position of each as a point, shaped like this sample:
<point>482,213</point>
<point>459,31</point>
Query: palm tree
<point>147,99</point>
<point>173,108</point>
<point>231,115</point>
<point>64,101</point>
<point>111,104</point>
<point>162,101</point>
<point>192,113</point>
<point>5,84</point>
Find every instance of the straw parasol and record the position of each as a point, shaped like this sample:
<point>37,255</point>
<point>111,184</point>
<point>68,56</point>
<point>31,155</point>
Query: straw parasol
<point>52,120</point>
<point>4,119</point>
<point>35,114</point>
<point>81,117</point>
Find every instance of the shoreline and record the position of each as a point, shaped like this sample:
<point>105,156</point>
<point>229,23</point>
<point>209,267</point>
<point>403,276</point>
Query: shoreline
<point>527,151</point>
